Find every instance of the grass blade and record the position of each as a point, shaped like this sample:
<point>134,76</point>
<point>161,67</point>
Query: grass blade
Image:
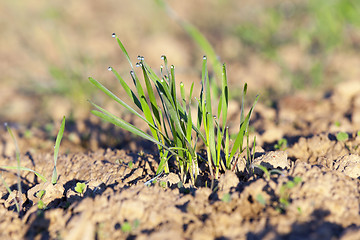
<point>56,151</point>
<point>240,136</point>
<point>127,89</point>
<point>123,49</point>
<point>26,169</point>
<point>118,100</point>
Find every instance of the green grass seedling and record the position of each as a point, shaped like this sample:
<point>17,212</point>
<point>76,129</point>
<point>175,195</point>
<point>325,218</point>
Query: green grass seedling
<point>18,167</point>
<point>284,198</point>
<point>342,136</point>
<point>56,151</point>
<point>172,127</point>
<point>80,187</point>
<point>281,144</point>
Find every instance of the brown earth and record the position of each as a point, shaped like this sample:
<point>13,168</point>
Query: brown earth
<point>117,204</point>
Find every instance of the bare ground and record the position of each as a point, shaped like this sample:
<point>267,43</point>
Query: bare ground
<point>117,204</point>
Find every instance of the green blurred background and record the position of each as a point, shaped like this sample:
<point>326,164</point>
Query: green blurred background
<point>49,48</point>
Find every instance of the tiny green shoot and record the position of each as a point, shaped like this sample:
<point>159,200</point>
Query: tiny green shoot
<point>127,227</point>
<point>342,136</point>
<point>281,144</point>
<point>41,205</point>
<point>226,198</point>
<point>284,198</point>
<point>131,164</point>
<point>260,199</point>
<point>80,187</point>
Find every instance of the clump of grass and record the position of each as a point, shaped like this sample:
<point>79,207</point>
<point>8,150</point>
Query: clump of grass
<point>173,128</point>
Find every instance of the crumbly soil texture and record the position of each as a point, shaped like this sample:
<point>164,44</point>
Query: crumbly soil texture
<point>316,196</point>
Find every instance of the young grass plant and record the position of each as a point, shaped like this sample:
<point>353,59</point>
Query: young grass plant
<point>19,168</point>
<point>56,151</point>
<point>170,120</point>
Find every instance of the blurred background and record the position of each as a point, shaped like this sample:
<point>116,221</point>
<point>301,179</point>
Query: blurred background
<point>48,49</point>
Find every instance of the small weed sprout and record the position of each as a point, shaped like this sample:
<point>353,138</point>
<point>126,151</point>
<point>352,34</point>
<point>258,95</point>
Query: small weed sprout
<point>281,145</point>
<point>80,188</point>
<point>284,198</point>
<point>173,128</point>
<point>128,227</point>
<point>342,136</point>
<point>41,204</point>
<point>260,199</point>
<point>131,164</point>
<point>226,198</point>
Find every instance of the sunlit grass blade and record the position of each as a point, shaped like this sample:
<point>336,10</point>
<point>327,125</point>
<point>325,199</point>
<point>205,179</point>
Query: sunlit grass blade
<point>56,150</point>
<point>127,89</point>
<point>240,136</point>
<point>224,97</point>
<point>151,96</point>
<point>227,143</point>
<point>123,49</point>
<point>144,104</point>
<point>42,177</point>
<point>242,103</point>
<point>114,97</point>
<point>209,120</point>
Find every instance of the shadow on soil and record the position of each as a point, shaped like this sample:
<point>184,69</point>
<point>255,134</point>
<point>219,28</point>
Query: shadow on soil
<point>316,228</point>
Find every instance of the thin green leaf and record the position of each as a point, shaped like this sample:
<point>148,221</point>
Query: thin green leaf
<point>209,116</point>
<point>56,150</point>
<point>240,136</point>
<point>26,169</point>
<point>151,95</point>
<point>127,89</point>
<point>124,51</point>
<point>118,100</point>
<point>115,120</point>
<point>224,96</point>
